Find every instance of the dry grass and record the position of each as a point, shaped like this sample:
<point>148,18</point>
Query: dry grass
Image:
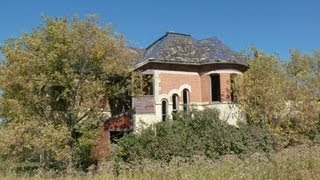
<point>293,163</point>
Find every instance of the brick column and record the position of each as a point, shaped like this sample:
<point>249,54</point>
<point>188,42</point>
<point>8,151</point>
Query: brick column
<point>225,87</point>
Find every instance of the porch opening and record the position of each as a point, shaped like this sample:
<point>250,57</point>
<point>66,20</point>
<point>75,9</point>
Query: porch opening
<point>215,87</point>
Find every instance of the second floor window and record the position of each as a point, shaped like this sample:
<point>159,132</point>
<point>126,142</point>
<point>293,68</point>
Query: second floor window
<point>147,84</point>
<point>215,87</point>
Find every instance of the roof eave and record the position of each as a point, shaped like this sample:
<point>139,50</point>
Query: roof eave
<point>145,62</point>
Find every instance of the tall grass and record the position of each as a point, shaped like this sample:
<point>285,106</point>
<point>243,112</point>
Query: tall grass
<point>300,162</point>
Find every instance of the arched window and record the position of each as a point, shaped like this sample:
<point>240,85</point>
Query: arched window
<point>164,107</point>
<point>186,99</point>
<point>215,87</point>
<point>175,103</point>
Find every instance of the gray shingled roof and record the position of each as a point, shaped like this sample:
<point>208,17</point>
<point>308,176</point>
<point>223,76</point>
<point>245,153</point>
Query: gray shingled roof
<point>182,48</point>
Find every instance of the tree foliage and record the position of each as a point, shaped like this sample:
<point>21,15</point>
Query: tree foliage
<point>55,82</point>
<point>304,91</point>
<point>263,97</point>
<point>283,97</point>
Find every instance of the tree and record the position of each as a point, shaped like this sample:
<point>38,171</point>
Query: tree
<point>282,97</point>
<point>303,92</point>
<point>262,96</point>
<point>55,81</point>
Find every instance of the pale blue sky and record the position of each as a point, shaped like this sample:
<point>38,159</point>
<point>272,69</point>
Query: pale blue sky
<point>271,25</point>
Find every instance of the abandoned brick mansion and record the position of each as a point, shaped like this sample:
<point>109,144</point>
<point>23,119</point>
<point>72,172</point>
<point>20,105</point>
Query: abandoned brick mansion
<point>187,73</point>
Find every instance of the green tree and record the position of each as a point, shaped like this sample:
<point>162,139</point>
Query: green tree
<point>55,82</point>
<point>282,97</point>
<point>263,96</point>
<point>303,92</point>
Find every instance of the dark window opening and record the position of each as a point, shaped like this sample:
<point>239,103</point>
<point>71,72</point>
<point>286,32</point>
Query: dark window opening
<point>147,86</point>
<point>116,135</point>
<point>175,103</point>
<point>185,94</point>
<point>215,87</point>
<point>164,106</point>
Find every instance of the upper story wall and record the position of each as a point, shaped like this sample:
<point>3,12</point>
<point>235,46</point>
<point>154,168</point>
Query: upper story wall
<point>199,85</point>
<point>173,82</point>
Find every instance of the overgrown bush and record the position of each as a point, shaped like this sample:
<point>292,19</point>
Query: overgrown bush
<point>200,133</point>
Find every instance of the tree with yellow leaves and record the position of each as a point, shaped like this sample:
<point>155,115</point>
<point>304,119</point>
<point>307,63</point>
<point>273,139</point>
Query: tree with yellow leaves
<point>55,81</point>
<point>282,97</point>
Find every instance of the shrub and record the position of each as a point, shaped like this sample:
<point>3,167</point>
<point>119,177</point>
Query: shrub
<point>201,133</point>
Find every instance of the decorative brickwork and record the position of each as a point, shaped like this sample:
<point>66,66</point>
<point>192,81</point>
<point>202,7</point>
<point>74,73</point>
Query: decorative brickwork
<point>170,81</point>
<point>144,104</point>
<point>200,85</point>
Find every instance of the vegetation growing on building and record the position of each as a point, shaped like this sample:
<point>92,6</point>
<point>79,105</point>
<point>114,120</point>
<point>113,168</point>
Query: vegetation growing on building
<point>55,80</point>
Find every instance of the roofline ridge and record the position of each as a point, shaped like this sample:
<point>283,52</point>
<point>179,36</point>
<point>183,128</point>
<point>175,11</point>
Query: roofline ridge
<point>167,33</point>
<point>172,32</point>
<point>156,41</point>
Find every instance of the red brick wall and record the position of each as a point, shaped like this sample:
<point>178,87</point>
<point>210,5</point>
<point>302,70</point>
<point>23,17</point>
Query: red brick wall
<point>200,85</point>
<point>225,87</point>
<point>205,88</point>
<point>144,104</point>
<point>170,81</point>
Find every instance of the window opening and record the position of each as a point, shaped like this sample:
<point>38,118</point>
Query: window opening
<point>215,87</point>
